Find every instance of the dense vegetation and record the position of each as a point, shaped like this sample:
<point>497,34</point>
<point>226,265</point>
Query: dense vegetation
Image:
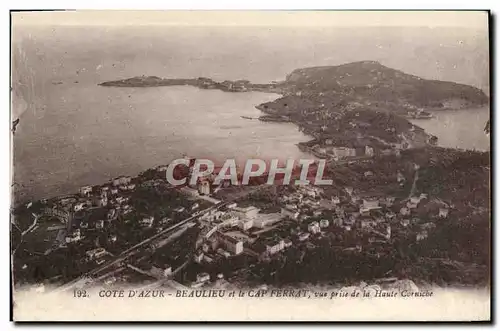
<point>371,80</point>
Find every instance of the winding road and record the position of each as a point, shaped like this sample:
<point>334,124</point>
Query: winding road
<point>133,250</point>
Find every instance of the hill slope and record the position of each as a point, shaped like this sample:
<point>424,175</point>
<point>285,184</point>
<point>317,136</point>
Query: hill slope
<point>371,82</point>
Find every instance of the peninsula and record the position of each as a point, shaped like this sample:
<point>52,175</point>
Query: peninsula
<point>365,82</point>
<point>351,105</point>
<point>398,209</point>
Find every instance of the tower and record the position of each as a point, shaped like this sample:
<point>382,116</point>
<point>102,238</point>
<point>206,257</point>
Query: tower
<point>204,187</point>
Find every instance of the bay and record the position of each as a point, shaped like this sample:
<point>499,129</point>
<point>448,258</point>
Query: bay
<point>462,128</point>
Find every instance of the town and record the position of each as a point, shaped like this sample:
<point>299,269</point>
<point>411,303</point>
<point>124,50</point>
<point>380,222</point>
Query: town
<point>144,230</point>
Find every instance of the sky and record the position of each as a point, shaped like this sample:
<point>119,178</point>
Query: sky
<point>465,19</point>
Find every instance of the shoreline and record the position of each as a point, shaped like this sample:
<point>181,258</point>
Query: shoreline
<point>267,117</point>
<point>320,101</point>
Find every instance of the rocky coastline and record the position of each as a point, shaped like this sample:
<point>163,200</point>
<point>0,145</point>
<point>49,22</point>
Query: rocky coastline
<point>356,101</point>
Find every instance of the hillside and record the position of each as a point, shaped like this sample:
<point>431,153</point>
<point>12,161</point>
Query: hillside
<point>372,82</point>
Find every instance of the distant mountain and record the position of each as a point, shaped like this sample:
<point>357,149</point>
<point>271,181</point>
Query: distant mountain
<point>370,81</point>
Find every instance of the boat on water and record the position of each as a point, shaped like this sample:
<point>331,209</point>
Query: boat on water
<point>420,115</point>
<point>247,117</point>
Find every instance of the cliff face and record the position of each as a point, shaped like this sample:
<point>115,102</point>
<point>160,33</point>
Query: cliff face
<point>372,82</point>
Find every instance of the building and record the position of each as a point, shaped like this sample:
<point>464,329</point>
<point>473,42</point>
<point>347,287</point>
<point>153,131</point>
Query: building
<point>415,200</point>
<point>291,213</point>
<point>390,215</point>
<point>96,253</point>
<point>443,212</point>
<point>389,201</point>
<point>321,150</point>
<point>338,221</point>
<point>304,236</point>
<point>160,272</point>
<point>74,236</point>
<point>400,178</point>
<point>310,202</point>
<point>367,223</point>
<point>313,227</point>
<point>121,200</point>
<point>343,152</point>
<point>405,222</point>
<point>364,211</point>
<point>101,201</point>
<point>388,232</point>
<point>311,191</point>
<point>162,168</point>
<point>204,187</point>
<point>110,281</point>
<point>371,203</point>
<point>428,225</point>
<point>190,191</point>
<point>111,214</point>
<point>99,224</point>
<point>208,258</point>
<point>126,209</point>
<point>340,212</point>
<point>205,247</point>
<point>324,223</point>
<point>411,205</point>
<point>63,202</point>
<point>404,211</point>
<point>335,200</point>
<point>202,277</point>
<point>369,151</point>
<point>198,256</point>
<point>79,206</point>
<point>317,213</point>
<point>288,243</point>
<point>246,212</point>
<point>233,245</point>
<point>85,190</point>
<point>273,246</point>
<point>265,220</point>
<point>179,209</point>
<point>122,180</point>
<point>422,235</point>
<point>165,220</point>
<point>147,221</point>
<point>223,253</point>
<point>245,224</point>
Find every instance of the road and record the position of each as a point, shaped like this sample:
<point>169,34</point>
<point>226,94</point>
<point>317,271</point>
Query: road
<point>23,233</point>
<point>133,250</point>
<point>414,184</point>
<point>32,226</point>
